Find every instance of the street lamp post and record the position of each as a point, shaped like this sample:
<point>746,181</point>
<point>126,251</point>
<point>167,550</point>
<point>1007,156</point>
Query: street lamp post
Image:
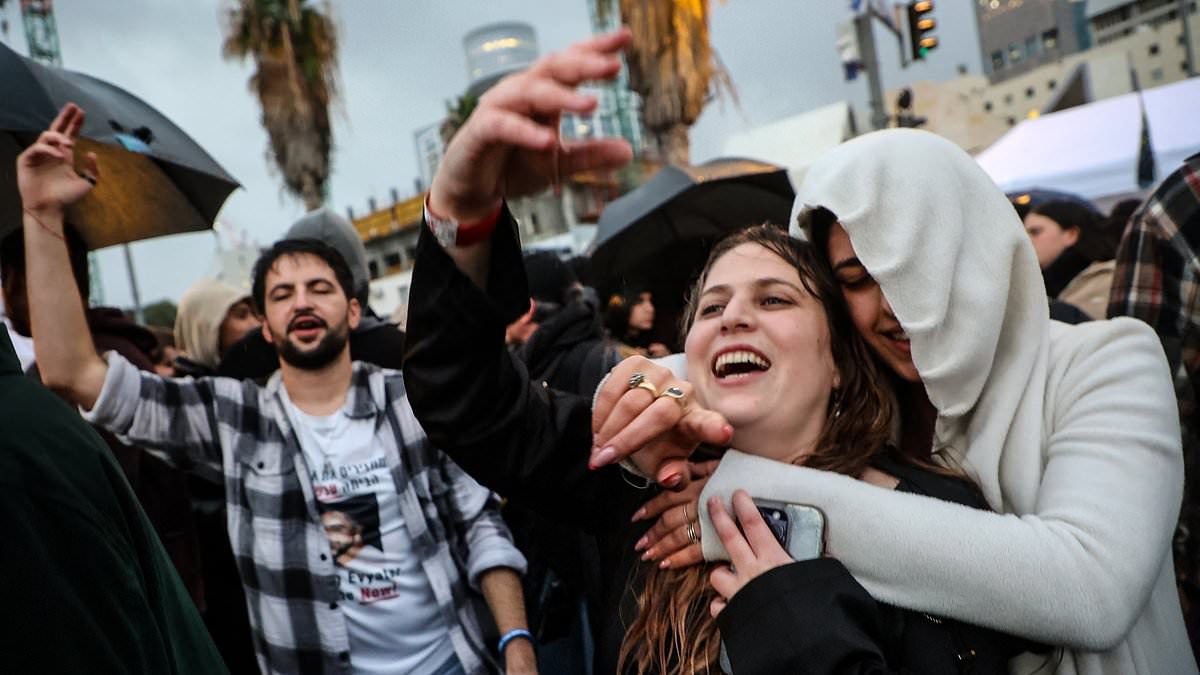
<point>866,48</point>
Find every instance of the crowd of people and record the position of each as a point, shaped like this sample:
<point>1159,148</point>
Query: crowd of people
<point>910,431</point>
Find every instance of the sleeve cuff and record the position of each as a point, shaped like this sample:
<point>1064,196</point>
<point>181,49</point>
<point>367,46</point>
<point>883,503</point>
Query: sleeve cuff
<point>498,555</point>
<point>119,395</point>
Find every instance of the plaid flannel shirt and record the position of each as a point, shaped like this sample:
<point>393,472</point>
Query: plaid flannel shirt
<point>238,434</point>
<point>1157,280</point>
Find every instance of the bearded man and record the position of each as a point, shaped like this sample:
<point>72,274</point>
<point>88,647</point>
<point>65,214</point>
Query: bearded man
<point>324,434</point>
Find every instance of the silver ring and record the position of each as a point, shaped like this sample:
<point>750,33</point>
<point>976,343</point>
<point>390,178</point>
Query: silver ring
<point>691,532</point>
<point>636,379</point>
<point>686,517</point>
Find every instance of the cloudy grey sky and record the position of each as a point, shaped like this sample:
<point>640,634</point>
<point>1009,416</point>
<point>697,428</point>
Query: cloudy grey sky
<point>400,61</point>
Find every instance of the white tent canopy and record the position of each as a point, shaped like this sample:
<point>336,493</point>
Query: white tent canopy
<point>1092,150</point>
<point>795,142</point>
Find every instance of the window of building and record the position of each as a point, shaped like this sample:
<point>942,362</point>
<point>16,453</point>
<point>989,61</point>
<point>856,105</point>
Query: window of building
<point>998,60</point>
<point>1029,92</point>
<point>1032,47</point>
<point>1154,49</point>
<point>373,268</point>
<point>1052,84</point>
<point>1050,39</point>
<point>1156,75</point>
<point>1016,52</point>
<point>1012,121</point>
<point>987,105</point>
<point>391,260</point>
<point>1008,99</point>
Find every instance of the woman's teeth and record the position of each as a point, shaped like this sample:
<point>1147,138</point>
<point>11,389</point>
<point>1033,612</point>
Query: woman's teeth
<point>739,362</point>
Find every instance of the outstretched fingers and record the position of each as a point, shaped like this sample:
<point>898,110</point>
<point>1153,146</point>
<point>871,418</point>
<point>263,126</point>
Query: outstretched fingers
<point>501,127</point>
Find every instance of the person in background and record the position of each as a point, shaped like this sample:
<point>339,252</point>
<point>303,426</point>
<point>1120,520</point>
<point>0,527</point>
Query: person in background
<point>161,489</point>
<point>1075,251</point>
<point>87,586</point>
<point>1158,265</point>
<point>164,353</point>
<point>212,317</point>
<point>565,349</point>
<point>374,341</point>
<point>629,319</point>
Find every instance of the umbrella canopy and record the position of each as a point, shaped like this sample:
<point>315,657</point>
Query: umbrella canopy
<point>657,237</point>
<point>155,179</point>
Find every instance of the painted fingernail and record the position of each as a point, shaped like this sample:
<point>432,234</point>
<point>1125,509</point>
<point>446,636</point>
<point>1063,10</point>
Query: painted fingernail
<point>638,515</point>
<point>666,562</point>
<point>648,555</point>
<point>603,457</point>
<point>672,480</point>
<point>641,543</point>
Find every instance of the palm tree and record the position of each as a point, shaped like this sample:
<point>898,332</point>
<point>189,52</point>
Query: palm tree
<point>671,66</point>
<point>294,46</point>
<point>457,112</point>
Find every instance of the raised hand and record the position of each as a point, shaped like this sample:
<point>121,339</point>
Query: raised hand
<point>510,146</point>
<point>657,432</point>
<point>47,177</point>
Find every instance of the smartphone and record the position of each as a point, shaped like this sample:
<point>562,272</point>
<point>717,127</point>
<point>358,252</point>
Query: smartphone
<point>799,528</point>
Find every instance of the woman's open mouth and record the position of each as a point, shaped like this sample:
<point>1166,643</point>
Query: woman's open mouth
<point>739,363</point>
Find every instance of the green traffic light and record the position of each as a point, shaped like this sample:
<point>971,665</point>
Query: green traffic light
<point>923,51</point>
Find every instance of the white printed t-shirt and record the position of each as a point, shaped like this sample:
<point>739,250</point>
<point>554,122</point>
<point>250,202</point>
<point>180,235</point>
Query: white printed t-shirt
<point>391,612</point>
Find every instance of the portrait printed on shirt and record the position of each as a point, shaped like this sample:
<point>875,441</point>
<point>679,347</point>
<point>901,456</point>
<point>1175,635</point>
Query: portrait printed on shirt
<point>361,517</point>
<point>350,525</point>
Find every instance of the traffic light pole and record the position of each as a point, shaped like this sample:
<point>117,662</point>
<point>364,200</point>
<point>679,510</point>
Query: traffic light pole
<point>866,51</point>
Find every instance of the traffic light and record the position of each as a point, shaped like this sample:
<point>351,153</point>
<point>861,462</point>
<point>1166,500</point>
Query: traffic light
<point>920,24</point>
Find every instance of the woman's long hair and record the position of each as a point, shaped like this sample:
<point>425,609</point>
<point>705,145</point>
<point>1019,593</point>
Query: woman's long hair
<point>674,634</point>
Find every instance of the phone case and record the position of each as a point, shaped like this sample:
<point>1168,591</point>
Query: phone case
<point>804,530</point>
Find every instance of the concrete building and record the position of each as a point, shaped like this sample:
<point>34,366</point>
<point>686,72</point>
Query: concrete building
<point>1111,20</point>
<point>974,112</point>
<point>1018,36</point>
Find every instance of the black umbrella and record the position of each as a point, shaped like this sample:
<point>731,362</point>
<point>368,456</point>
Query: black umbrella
<point>657,237</point>
<point>155,179</point>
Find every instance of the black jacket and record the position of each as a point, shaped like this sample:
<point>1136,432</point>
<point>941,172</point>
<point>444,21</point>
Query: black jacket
<point>531,444</point>
<point>569,350</point>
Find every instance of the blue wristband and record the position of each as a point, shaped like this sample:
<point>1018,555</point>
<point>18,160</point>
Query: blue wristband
<point>512,635</point>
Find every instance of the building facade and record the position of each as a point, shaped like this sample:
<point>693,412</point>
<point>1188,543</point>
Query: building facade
<point>1018,36</point>
<point>1111,20</point>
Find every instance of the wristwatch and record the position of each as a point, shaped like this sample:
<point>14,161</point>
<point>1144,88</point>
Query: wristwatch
<point>449,232</point>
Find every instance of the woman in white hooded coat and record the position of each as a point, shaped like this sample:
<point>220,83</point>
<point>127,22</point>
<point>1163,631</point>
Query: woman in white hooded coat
<point>1070,431</point>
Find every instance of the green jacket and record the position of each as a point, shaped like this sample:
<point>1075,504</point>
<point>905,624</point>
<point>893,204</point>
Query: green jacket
<point>85,584</point>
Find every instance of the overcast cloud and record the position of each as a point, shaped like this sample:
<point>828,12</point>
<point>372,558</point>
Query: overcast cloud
<point>400,61</point>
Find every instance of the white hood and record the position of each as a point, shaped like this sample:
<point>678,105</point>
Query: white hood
<point>954,262</point>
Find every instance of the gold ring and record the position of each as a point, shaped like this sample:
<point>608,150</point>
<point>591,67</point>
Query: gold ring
<point>691,532</point>
<point>648,387</point>
<point>676,394</point>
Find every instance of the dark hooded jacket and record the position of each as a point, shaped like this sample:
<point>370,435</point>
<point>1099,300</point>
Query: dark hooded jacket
<point>569,350</point>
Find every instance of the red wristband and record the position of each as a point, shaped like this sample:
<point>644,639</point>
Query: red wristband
<point>465,234</point>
